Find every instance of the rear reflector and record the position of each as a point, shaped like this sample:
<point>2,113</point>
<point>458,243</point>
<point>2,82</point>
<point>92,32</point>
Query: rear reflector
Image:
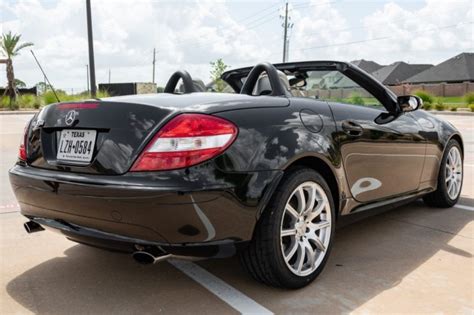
<point>22,150</point>
<point>188,139</point>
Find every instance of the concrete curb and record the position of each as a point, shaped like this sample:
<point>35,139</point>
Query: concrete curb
<point>18,112</point>
<point>445,112</point>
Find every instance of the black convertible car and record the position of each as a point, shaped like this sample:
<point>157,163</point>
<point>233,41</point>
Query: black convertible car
<point>265,172</point>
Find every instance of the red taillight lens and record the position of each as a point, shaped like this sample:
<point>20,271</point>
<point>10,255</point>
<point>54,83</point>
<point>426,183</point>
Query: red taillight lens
<point>22,149</point>
<point>186,140</point>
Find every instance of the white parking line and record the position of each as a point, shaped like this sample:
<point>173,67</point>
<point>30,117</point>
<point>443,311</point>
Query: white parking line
<point>469,208</point>
<point>225,292</point>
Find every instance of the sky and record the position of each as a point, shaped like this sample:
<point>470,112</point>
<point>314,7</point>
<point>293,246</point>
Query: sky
<point>190,34</point>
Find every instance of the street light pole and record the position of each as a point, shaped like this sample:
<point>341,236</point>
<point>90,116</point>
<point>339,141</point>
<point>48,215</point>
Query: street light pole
<point>91,48</point>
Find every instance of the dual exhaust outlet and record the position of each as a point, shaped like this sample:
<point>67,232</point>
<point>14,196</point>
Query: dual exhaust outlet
<point>142,256</point>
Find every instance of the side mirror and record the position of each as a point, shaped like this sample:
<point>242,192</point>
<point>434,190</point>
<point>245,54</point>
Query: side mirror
<point>409,103</point>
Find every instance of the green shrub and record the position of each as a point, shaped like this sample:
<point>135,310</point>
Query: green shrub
<point>427,106</point>
<point>425,96</point>
<point>453,109</point>
<point>27,101</point>
<point>50,98</point>
<point>102,94</point>
<point>469,98</point>
<point>471,107</point>
<point>5,102</point>
<point>440,106</point>
<point>357,99</point>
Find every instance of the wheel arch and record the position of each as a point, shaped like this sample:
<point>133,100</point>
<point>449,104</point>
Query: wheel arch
<point>323,168</point>
<point>458,138</point>
<point>319,165</point>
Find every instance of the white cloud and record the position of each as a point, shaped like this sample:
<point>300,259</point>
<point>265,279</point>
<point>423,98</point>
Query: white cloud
<point>421,35</point>
<point>436,31</point>
<point>188,35</point>
<point>318,25</point>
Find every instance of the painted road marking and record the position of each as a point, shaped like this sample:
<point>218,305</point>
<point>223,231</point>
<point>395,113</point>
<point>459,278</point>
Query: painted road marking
<point>469,208</point>
<point>222,290</point>
<point>9,206</point>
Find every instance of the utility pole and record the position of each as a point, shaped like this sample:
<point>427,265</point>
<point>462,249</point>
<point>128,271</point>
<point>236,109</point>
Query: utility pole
<point>109,76</point>
<point>287,26</point>
<point>285,32</point>
<point>91,48</point>
<point>87,79</point>
<point>154,60</point>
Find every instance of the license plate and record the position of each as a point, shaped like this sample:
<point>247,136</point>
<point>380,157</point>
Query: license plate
<point>76,145</point>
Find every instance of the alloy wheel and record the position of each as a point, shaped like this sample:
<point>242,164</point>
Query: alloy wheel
<point>305,228</point>
<point>453,173</point>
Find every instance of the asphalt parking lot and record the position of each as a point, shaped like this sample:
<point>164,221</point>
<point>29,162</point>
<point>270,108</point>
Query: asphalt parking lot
<point>412,259</point>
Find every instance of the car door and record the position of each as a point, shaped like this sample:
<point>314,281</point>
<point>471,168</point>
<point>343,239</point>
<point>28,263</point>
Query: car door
<point>382,154</point>
<point>380,160</point>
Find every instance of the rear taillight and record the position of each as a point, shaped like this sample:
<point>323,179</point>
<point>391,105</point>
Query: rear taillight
<point>186,140</point>
<point>22,149</point>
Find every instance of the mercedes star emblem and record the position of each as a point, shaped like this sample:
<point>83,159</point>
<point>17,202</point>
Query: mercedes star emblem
<point>70,117</point>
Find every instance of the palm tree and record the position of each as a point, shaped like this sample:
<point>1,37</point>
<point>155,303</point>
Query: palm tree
<point>10,47</point>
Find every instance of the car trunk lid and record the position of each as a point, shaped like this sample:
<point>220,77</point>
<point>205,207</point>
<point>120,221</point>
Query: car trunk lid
<point>106,136</point>
<point>91,137</point>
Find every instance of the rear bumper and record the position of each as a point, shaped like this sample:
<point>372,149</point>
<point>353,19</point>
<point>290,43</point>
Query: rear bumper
<point>173,209</point>
<point>114,242</point>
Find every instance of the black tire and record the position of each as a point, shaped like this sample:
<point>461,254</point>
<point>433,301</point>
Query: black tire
<point>263,258</point>
<point>440,197</point>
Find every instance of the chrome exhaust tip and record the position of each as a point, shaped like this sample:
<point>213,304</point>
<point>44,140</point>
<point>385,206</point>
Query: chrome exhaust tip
<point>32,227</point>
<point>145,257</point>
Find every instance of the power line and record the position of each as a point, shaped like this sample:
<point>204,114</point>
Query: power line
<point>263,22</point>
<point>305,5</point>
<point>261,18</point>
<point>381,38</point>
<point>257,13</point>
<point>250,23</point>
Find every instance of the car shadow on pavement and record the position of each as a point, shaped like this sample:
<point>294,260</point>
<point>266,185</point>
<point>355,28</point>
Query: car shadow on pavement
<point>368,258</point>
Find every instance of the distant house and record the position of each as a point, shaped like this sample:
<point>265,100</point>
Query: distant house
<point>367,65</point>
<point>454,70</point>
<point>336,80</point>
<point>398,72</point>
<point>117,89</point>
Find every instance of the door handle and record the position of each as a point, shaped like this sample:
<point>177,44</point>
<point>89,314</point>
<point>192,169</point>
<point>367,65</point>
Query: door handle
<point>351,128</point>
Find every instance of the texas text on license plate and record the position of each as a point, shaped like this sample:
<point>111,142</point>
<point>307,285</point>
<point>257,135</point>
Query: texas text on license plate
<point>76,145</point>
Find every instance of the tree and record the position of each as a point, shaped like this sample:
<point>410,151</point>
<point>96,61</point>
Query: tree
<point>10,47</point>
<point>42,87</point>
<point>218,68</point>
<point>19,83</point>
